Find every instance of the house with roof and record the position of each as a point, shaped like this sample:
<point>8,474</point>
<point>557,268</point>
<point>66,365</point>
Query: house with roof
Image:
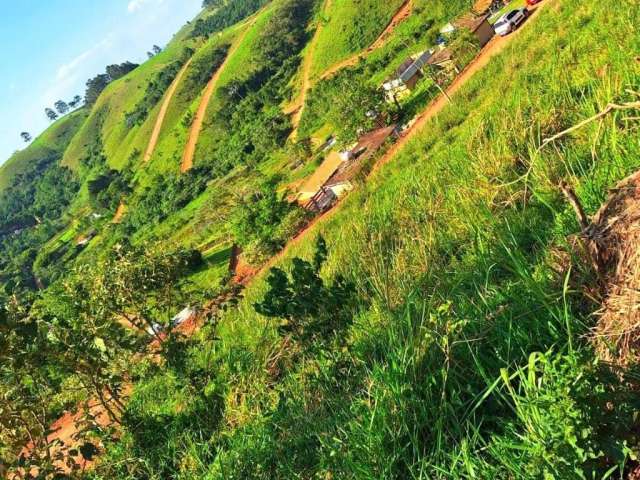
<point>316,181</point>
<point>478,25</point>
<point>406,77</point>
<point>334,178</point>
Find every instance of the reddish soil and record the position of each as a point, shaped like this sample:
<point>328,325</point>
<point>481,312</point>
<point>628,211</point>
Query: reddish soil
<point>298,105</point>
<point>155,135</point>
<point>401,15</point>
<point>198,121</point>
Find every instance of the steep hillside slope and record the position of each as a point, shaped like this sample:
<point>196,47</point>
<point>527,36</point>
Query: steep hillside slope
<point>460,355</point>
<point>350,26</point>
<point>431,320</point>
<point>54,141</point>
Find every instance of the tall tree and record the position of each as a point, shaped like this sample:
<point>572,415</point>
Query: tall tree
<point>75,102</point>
<point>62,107</point>
<point>117,71</point>
<point>95,87</point>
<point>26,136</point>
<point>51,114</point>
<point>156,49</point>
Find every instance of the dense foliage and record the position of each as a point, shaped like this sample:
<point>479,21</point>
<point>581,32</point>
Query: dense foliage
<point>264,221</point>
<point>155,90</point>
<point>164,195</point>
<point>250,108</point>
<point>29,211</point>
<point>434,325</point>
<point>226,13</point>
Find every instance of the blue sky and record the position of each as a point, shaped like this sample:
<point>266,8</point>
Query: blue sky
<point>49,48</point>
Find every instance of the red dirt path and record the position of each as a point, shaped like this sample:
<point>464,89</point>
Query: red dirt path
<point>157,128</point>
<point>198,121</point>
<point>401,15</point>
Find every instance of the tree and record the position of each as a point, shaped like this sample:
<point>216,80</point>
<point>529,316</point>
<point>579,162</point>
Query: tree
<point>156,49</point>
<point>27,386</point>
<point>310,307</point>
<point>264,220</point>
<point>105,314</point>
<point>62,107</point>
<point>150,55</point>
<point>51,115</point>
<point>95,86</point>
<point>75,103</point>
<point>117,71</point>
<point>355,108</point>
<point>26,136</point>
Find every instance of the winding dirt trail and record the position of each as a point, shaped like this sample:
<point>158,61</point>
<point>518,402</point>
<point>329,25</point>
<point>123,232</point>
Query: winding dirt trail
<point>401,15</point>
<point>297,106</point>
<point>198,121</point>
<point>157,128</point>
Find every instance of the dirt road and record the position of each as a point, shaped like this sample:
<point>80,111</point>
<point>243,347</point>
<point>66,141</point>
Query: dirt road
<point>196,127</point>
<point>153,141</point>
<point>490,50</point>
<point>493,48</point>
<point>401,15</point>
<point>298,105</point>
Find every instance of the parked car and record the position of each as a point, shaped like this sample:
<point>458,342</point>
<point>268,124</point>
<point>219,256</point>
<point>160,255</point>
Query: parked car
<point>510,21</point>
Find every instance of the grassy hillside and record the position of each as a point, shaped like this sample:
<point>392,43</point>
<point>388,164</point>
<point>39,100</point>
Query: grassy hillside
<point>54,140</point>
<point>350,26</point>
<point>462,352</point>
<point>433,325</point>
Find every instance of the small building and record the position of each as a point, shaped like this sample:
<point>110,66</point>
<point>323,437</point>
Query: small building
<point>444,66</point>
<point>479,26</point>
<point>406,77</point>
<point>334,178</point>
<point>443,59</point>
<point>315,183</point>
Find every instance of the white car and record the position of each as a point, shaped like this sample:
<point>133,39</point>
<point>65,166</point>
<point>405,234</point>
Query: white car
<point>510,21</point>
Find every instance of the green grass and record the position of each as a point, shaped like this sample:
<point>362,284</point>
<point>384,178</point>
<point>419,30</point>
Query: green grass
<point>54,141</point>
<point>350,27</point>
<point>465,357</point>
<point>238,67</point>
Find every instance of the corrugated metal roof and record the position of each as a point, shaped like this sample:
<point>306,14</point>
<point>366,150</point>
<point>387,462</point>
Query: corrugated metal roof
<point>414,66</point>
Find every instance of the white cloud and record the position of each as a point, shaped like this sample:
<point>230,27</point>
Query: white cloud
<point>135,5</point>
<point>69,69</point>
